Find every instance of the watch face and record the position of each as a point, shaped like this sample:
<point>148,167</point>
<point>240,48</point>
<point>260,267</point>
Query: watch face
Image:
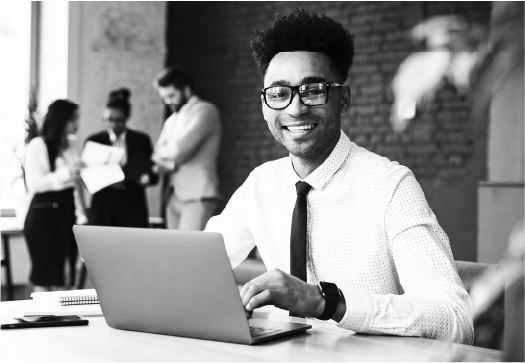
<point>329,288</point>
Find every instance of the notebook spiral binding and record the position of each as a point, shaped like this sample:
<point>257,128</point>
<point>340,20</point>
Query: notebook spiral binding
<point>78,300</point>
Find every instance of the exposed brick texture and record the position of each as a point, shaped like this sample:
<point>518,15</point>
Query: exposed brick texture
<point>212,40</point>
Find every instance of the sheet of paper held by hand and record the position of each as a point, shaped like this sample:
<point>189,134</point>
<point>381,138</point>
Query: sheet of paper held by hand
<point>102,166</point>
<point>98,154</point>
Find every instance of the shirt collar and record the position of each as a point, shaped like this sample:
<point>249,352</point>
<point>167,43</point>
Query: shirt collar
<point>113,137</point>
<point>320,176</point>
<point>193,100</point>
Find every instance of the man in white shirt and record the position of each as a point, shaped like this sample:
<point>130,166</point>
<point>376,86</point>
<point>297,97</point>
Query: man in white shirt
<point>361,246</point>
<point>188,148</point>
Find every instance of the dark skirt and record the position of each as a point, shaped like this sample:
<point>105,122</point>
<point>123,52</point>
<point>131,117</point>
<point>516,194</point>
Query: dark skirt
<point>120,206</point>
<point>49,237</point>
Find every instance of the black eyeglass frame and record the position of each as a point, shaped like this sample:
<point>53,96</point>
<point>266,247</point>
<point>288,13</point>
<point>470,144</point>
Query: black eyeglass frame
<point>296,89</point>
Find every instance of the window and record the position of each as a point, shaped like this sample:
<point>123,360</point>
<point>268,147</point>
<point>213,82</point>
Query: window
<point>34,49</point>
<point>15,64</point>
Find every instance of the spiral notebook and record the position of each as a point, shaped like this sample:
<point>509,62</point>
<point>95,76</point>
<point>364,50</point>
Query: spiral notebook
<point>65,298</point>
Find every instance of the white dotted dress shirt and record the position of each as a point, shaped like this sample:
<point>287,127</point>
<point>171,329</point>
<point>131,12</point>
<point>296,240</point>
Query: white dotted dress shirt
<point>370,231</point>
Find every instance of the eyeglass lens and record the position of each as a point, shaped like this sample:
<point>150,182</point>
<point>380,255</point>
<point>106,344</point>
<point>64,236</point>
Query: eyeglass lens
<point>311,94</point>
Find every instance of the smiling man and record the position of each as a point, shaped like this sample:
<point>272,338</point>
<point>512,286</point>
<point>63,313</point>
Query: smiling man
<point>346,234</point>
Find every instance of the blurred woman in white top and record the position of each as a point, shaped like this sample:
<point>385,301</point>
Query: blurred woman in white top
<point>51,174</point>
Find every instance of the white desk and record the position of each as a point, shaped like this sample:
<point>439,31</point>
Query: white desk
<point>324,342</point>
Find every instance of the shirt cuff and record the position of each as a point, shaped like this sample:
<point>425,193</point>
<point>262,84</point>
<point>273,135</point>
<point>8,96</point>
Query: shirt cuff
<point>359,309</point>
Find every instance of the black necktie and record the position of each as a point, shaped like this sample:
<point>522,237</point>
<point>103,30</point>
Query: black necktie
<point>298,235</point>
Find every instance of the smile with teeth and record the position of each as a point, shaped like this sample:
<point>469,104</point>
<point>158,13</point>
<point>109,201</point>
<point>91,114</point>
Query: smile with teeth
<point>299,128</point>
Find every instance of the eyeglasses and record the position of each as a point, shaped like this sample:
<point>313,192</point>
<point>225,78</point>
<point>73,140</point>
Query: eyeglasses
<point>311,94</point>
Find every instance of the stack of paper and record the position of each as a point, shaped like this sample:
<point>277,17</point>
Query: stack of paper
<point>47,303</point>
<point>102,166</point>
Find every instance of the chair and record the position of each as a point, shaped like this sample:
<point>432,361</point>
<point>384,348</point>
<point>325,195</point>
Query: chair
<point>248,270</point>
<point>470,271</point>
<point>489,326</point>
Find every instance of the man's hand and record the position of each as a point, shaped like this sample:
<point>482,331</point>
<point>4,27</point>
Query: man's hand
<point>283,291</point>
<point>162,165</point>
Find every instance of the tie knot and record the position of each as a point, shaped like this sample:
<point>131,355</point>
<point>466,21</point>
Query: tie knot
<point>302,188</point>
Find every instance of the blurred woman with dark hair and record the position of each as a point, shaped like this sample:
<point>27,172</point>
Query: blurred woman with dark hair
<point>51,171</point>
<point>124,204</point>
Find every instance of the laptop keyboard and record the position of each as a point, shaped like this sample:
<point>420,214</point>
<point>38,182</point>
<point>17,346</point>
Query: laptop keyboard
<point>257,331</point>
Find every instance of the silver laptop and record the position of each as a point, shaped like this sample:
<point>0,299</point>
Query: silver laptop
<point>171,282</point>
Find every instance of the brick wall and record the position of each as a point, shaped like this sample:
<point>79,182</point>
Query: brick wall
<point>212,41</point>
<point>118,44</point>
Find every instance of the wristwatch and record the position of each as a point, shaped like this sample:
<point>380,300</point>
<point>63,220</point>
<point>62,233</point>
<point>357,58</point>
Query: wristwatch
<point>331,295</point>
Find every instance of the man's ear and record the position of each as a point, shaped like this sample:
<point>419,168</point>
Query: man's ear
<point>346,99</point>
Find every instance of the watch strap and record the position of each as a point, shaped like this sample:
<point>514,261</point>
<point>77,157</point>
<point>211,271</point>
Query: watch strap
<point>330,307</point>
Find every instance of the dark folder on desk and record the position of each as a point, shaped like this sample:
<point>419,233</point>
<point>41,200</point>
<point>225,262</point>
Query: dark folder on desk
<point>187,287</point>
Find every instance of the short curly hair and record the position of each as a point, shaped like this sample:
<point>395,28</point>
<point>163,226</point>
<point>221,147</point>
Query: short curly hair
<point>300,31</point>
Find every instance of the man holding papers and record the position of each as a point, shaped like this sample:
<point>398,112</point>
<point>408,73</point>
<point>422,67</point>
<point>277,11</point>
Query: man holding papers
<point>120,168</point>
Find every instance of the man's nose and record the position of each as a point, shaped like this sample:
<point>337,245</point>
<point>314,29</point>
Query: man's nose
<point>297,107</point>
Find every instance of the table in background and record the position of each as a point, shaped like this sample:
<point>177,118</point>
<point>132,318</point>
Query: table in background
<point>324,342</point>
<point>9,227</point>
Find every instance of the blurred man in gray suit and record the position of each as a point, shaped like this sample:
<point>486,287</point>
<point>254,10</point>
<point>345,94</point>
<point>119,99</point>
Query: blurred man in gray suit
<point>187,149</point>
